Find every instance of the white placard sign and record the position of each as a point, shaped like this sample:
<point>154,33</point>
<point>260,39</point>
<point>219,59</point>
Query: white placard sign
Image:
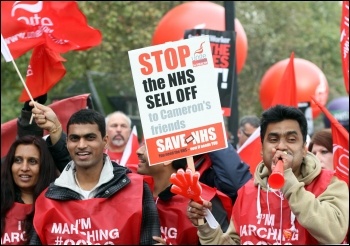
<point>178,99</point>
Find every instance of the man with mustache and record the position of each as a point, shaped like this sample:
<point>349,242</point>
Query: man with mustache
<point>118,127</point>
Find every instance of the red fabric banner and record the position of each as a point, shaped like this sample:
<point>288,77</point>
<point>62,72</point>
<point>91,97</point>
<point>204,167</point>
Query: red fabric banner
<point>340,137</point>
<point>344,43</point>
<point>60,25</point>
<point>287,92</point>
<point>63,108</point>
<point>44,71</point>
<point>130,158</point>
<point>249,152</point>
<point>50,28</point>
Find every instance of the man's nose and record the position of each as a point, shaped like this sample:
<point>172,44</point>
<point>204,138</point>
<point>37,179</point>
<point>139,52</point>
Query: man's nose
<point>82,143</point>
<point>281,145</point>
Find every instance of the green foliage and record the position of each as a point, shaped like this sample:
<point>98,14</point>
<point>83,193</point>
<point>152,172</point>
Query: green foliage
<point>274,29</point>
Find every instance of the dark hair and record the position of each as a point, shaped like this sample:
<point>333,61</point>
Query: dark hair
<point>10,192</point>
<point>180,163</point>
<point>323,138</point>
<point>88,116</point>
<point>279,113</point>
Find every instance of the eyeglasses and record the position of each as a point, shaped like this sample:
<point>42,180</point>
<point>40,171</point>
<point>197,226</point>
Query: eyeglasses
<point>246,134</point>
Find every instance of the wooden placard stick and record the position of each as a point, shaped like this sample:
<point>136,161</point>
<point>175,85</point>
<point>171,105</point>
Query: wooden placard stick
<point>190,165</point>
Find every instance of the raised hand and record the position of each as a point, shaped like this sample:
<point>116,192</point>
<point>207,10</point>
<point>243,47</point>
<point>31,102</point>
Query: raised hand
<point>187,184</point>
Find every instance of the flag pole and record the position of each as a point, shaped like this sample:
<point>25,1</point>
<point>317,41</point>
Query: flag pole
<point>230,26</point>
<point>25,86</point>
<point>7,50</point>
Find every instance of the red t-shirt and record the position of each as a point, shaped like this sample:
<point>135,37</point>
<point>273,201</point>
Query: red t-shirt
<point>114,156</point>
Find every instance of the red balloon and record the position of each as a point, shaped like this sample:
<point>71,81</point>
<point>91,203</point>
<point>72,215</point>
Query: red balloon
<point>310,81</point>
<point>200,15</point>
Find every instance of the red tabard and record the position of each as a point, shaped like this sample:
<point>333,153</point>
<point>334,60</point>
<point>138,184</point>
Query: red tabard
<point>174,224</point>
<point>13,233</point>
<point>268,230</point>
<point>116,220</point>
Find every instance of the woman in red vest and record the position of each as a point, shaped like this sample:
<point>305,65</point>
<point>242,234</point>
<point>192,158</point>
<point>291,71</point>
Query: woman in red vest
<point>26,171</point>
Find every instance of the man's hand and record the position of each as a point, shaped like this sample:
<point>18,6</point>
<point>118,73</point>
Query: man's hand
<point>46,118</point>
<point>196,211</point>
<point>161,241</point>
<point>40,99</point>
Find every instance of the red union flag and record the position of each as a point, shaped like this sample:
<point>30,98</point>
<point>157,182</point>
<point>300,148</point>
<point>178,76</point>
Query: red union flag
<point>61,26</point>
<point>44,71</point>
<point>344,42</point>
<point>286,93</point>
<point>249,152</point>
<point>54,26</point>
<point>129,157</point>
<point>340,137</point>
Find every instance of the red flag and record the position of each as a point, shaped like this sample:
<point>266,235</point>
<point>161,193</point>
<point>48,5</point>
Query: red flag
<point>286,93</point>
<point>44,71</point>
<point>60,25</point>
<point>55,26</point>
<point>8,135</point>
<point>129,157</point>
<point>344,43</point>
<point>63,108</point>
<point>249,152</point>
<point>340,137</point>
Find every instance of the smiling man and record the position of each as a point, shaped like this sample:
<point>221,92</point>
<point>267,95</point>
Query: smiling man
<point>92,187</point>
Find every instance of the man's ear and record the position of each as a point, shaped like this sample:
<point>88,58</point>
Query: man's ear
<point>105,140</point>
<point>305,150</point>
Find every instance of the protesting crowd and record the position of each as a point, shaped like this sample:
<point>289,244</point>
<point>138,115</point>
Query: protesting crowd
<point>66,189</point>
<point>72,175</point>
